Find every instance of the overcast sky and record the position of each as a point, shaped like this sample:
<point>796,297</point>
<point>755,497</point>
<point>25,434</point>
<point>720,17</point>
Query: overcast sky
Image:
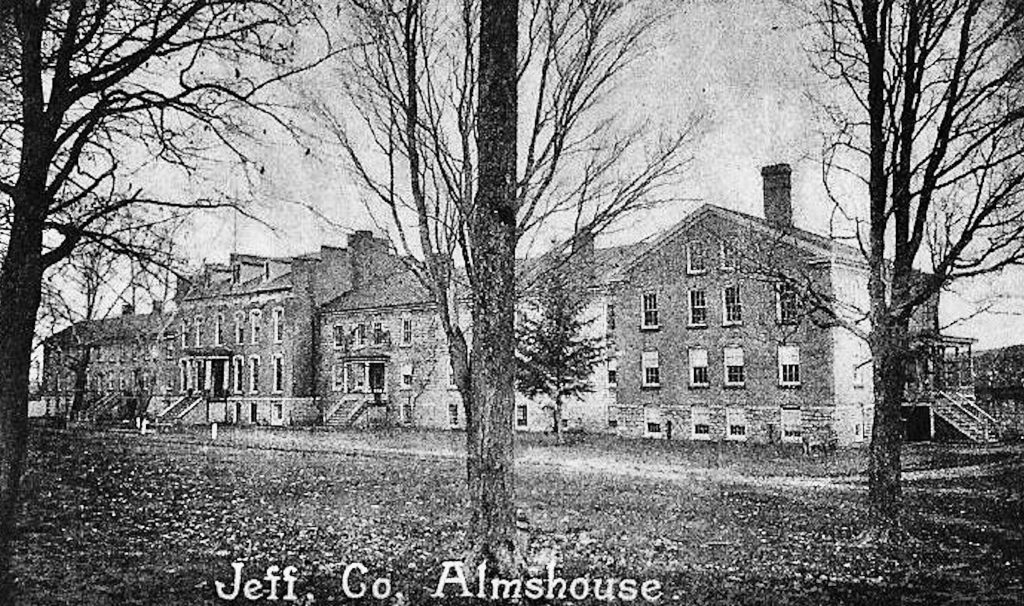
<point>739,60</point>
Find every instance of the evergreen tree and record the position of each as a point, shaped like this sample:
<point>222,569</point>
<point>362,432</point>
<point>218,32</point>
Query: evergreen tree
<point>555,357</point>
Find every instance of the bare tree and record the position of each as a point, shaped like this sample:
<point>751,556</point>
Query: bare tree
<point>104,97</point>
<point>931,130</point>
<point>423,116</point>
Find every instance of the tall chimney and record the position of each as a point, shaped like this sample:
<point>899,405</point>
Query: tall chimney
<point>778,204</point>
<point>127,309</point>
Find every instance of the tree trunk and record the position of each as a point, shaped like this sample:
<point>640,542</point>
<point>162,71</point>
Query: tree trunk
<point>20,291</point>
<point>888,349</point>
<point>492,232</point>
<point>556,418</point>
<point>81,383</point>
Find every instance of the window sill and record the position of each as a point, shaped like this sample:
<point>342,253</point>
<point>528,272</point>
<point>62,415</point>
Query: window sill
<point>700,385</point>
<point>651,327</point>
<point>731,324</point>
<point>697,325</point>
<point>790,385</point>
<point>650,386</point>
<point>696,272</point>
<point>702,437</point>
<point>736,438</point>
<point>735,385</point>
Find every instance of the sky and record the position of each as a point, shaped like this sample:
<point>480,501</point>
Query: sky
<point>741,63</point>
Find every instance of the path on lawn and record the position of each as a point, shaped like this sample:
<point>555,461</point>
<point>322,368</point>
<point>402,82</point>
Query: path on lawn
<point>543,457</point>
<point>564,459</point>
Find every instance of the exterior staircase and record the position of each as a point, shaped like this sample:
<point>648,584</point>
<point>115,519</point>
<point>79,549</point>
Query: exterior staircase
<point>961,410</point>
<point>179,408</point>
<point>348,411</point>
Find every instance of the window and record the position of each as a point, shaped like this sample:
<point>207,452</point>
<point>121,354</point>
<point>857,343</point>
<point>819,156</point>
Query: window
<point>254,325</point>
<point>236,273</point>
<point>378,333</point>
<point>278,413</point>
<point>266,270</point>
<point>611,316</point>
<point>184,336</point>
<point>254,374</point>
<point>736,424</point>
<point>239,328</point>
<point>695,261</point>
<point>787,304</point>
<point>792,425</point>
<point>453,414</point>
<point>236,385</point>
<point>183,375</point>
<point>649,362</point>
<point>728,255</point>
<point>278,373</point>
<point>732,307</point>
<point>198,326</point>
<point>734,374</point>
<point>407,376</point>
<point>652,422</point>
<point>361,334</point>
<point>858,374</point>
<point>698,308</point>
<point>613,372</point>
<point>700,422</point>
<point>339,336</point>
<point>699,368</point>
<point>338,377</point>
<point>789,365</point>
<point>406,410</point>
<point>278,325</point>
<point>406,331</point>
<point>521,415</point>
<point>650,310</point>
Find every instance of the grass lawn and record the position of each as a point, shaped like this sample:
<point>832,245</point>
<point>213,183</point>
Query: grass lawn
<point>113,518</point>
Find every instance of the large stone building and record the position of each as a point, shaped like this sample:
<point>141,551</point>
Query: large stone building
<point>726,326</point>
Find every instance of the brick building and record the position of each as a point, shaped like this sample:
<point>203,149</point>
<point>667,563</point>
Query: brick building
<point>726,326</point>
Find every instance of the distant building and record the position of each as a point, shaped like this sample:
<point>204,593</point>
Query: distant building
<point>726,326</point>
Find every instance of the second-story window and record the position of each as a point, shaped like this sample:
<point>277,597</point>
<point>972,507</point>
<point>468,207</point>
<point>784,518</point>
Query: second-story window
<point>699,368</point>
<point>239,328</point>
<point>254,374</point>
<point>735,375</point>
<point>698,308</point>
<point>651,372</point>
<point>611,316</point>
<point>613,372</point>
<point>278,325</point>
<point>733,307</point>
<point>728,256</point>
<point>255,316</point>
<point>378,333</point>
<point>278,373</point>
<point>218,330</point>
<point>649,303</point>
<point>236,383</point>
<point>789,365</point>
<point>199,331</point>
<point>361,334</point>
<point>184,335</point>
<point>339,336</point>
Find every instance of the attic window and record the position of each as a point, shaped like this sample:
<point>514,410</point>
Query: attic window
<point>236,273</point>
<point>266,270</point>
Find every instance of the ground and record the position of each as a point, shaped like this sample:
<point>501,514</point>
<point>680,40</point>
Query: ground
<point>118,518</point>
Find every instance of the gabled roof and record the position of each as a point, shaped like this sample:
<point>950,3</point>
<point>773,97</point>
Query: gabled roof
<point>113,329</point>
<point>813,243</point>
<point>396,290</point>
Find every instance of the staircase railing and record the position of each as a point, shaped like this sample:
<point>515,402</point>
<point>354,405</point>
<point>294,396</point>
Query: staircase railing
<point>981,421</point>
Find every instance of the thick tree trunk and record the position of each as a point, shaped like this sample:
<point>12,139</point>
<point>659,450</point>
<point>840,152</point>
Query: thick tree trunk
<point>885,468</point>
<point>20,291</point>
<point>492,232</point>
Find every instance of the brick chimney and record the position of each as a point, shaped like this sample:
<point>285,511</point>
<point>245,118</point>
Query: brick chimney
<point>127,309</point>
<point>778,203</point>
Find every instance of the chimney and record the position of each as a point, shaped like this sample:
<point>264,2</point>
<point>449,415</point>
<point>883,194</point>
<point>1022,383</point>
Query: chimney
<point>778,204</point>
<point>127,309</point>
<point>158,307</point>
